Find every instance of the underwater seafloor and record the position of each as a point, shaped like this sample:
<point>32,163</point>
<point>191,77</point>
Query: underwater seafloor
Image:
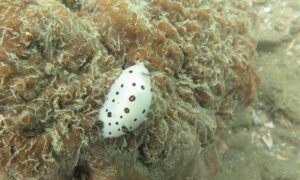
<point>224,74</point>
<point>263,141</point>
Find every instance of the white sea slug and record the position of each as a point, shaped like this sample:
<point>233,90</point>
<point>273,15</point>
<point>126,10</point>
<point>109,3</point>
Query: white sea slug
<point>127,102</point>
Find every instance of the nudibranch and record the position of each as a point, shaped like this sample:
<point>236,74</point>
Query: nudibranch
<point>127,102</point>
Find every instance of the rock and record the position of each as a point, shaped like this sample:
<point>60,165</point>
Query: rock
<point>59,58</point>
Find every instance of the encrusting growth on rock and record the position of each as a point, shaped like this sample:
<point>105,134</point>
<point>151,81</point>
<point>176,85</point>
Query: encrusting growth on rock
<point>59,58</point>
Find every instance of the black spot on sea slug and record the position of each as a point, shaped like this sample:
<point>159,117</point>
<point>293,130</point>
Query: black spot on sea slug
<point>126,110</point>
<point>132,98</point>
<point>144,111</point>
<point>109,114</point>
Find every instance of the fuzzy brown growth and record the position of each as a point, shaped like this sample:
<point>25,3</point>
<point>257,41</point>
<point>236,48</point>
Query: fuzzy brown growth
<point>59,58</point>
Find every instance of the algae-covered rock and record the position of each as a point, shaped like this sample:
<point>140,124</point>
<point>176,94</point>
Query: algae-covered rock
<point>59,58</point>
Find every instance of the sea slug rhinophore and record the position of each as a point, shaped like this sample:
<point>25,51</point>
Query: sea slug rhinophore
<point>127,102</point>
